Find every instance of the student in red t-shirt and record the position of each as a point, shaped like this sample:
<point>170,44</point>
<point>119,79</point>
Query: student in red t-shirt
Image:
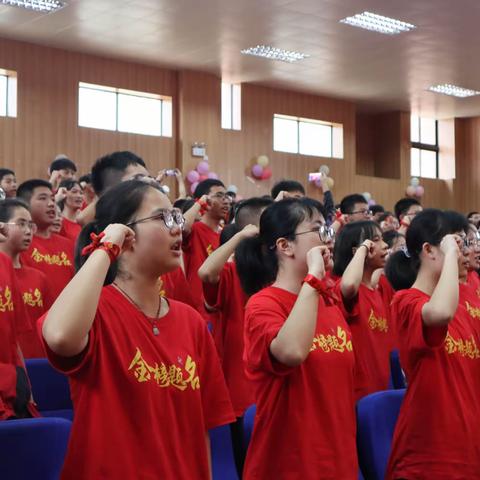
<point>298,350</point>
<point>50,253</point>
<point>70,200</point>
<point>32,283</point>
<point>203,237</point>
<point>473,278</point>
<point>359,252</point>
<point>437,431</point>
<point>223,293</point>
<point>145,378</point>
<point>15,392</point>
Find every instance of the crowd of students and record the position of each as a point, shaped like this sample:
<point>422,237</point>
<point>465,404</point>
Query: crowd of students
<point>170,320</point>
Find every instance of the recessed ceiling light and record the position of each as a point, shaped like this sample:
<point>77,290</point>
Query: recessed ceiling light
<point>453,90</point>
<point>275,53</point>
<point>37,5</point>
<point>378,23</point>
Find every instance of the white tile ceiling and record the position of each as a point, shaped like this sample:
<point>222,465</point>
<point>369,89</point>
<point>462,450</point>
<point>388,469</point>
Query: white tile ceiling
<point>379,72</point>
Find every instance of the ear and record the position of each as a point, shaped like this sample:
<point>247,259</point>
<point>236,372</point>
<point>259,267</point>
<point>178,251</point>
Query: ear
<point>284,247</point>
<point>429,251</point>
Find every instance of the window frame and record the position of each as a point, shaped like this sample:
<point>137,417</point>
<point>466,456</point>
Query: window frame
<point>163,99</point>
<point>426,146</point>
<point>10,76</point>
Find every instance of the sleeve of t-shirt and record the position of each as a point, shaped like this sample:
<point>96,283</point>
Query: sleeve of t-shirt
<point>71,365</point>
<point>263,320</point>
<point>216,293</point>
<point>412,332</point>
<point>216,403</point>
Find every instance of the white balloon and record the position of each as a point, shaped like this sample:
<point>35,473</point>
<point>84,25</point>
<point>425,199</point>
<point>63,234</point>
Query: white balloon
<point>367,196</point>
<point>414,182</point>
<point>232,188</point>
<point>324,169</point>
<point>166,189</point>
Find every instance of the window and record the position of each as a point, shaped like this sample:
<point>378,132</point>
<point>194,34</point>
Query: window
<point>424,147</point>
<point>231,106</point>
<point>121,110</point>
<point>8,93</point>
<point>307,137</point>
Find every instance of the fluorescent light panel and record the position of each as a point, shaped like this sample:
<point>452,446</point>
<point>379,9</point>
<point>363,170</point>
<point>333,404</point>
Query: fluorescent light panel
<point>453,90</point>
<point>273,53</point>
<point>37,5</point>
<point>378,23</point>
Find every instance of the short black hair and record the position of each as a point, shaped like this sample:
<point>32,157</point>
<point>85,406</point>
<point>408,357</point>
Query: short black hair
<point>62,164</point>
<point>390,236</point>
<point>4,172</point>
<point>25,190</point>
<point>377,209</point>
<point>228,232</point>
<point>184,204</point>
<point>403,205</point>
<point>108,170</point>
<point>287,186</point>
<point>249,211</point>
<point>348,203</point>
<point>203,188</point>
<point>8,207</point>
<point>87,178</point>
<point>456,222</point>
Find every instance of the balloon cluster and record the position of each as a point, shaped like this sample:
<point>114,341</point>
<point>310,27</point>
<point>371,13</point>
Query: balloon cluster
<point>201,172</point>
<point>317,180</point>
<point>415,189</point>
<point>261,170</point>
<point>368,197</point>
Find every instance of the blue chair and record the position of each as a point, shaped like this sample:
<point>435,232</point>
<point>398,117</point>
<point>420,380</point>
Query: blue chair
<point>376,418</point>
<point>50,389</point>
<point>223,461</point>
<point>248,421</point>
<point>33,448</point>
<point>397,378</point>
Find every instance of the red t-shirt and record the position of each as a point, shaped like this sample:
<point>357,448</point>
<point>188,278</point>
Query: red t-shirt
<point>143,403</point>
<point>474,281</point>
<point>33,287</point>
<point>373,340</point>
<point>174,285</point>
<point>54,257</point>
<point>438,430</point>
<point>12,323</point>
<point>305,420</point>
<point>70,229</point>
<point>201,242</point>
<point>229,299</point>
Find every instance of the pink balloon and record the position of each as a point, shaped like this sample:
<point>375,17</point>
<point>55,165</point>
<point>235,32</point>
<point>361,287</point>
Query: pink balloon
<point>257,171</point>
<point>193,176</point>
<point>203,167</point>
<point>203,177</point>
<point>213,175</point>
<point>267,173</point>
<point>419,191</point>
<point>193,186</point>
<point>410,191</point>
<point>371,202</point>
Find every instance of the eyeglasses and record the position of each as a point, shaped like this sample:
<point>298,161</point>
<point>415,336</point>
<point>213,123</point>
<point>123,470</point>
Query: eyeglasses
<point>221,196</point>
<point>325,233</point>
<point>170,218</point>
<point>471,242</point>
<point>367,213</point>
<point>24,225</point>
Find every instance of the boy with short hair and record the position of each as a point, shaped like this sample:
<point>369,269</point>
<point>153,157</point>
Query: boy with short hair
<point>62,168</point>
<point>50,253</point>
<point>8,182</point>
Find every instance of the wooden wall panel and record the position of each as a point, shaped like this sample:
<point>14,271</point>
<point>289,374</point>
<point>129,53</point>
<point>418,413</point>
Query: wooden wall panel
<point>47,109</point>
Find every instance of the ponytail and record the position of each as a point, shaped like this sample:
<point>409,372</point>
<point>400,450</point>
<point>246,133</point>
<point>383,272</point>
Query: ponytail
<point>401,270</point>
<point>257,264</point>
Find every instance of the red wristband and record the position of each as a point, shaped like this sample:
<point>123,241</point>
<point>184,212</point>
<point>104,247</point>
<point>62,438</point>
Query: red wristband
<point>314,282</point>
<point>112,250</point>
<point>404,224</point>
<point>203,206</point>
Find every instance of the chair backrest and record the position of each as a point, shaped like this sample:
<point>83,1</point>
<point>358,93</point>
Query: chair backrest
<point>223,461</point>
<point>50,388</point>
<point>376,418</point>
<point>248,421</point>
<point>33,448</point>
<point>397,375</point>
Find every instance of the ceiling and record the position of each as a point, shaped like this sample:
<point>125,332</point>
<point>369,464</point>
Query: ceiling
<point>379,72</point>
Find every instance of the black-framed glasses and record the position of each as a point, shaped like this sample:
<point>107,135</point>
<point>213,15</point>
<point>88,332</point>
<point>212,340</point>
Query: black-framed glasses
<point>171,218</point>
<point>325,233</point>
<point>367,213</point>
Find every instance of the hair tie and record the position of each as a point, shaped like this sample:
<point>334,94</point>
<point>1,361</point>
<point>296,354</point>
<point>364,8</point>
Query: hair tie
<point>405,251</point>
<point>112,250</point>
